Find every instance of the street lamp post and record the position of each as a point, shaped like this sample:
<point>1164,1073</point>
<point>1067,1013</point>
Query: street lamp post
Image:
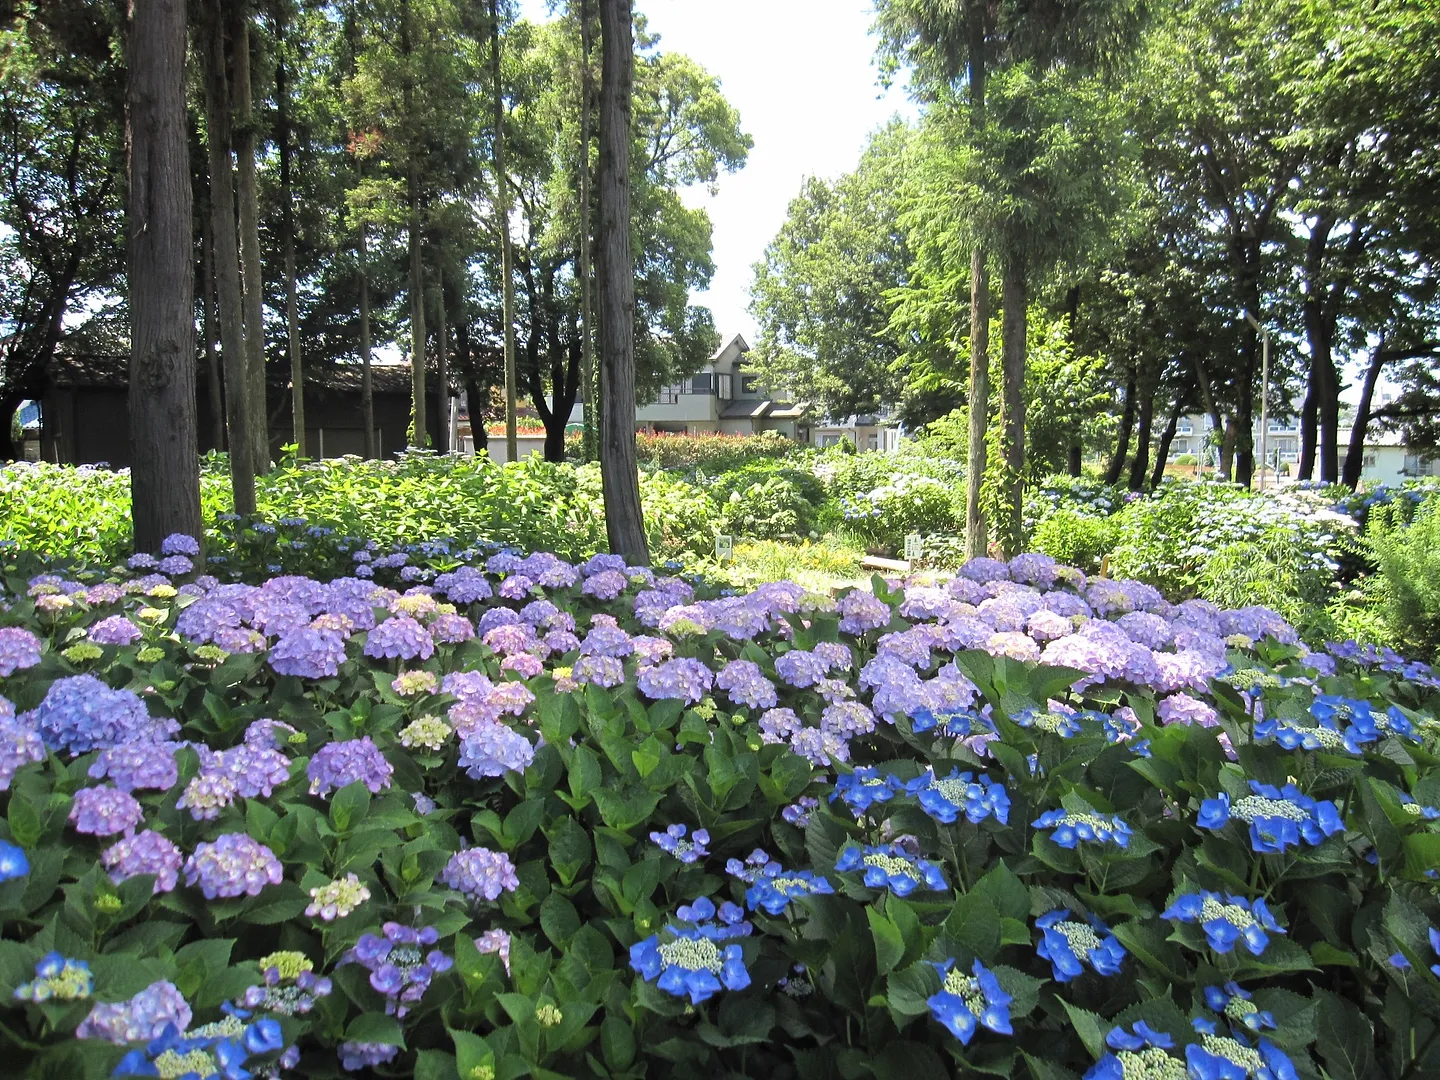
<point>1264,390</point>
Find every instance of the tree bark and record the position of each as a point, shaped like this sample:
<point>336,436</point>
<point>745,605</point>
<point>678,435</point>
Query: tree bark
<point>620,480</point>
<point>165,473</point>
<point>1212,407</point>
<point>976,533</point>
<point>502,226</point>
<point>287,226</point>
<point>240,429</point>
<point>1309,414</point>
<point>417,266</point>
<point>442,375</point>
<point>1140,463</point>
<point>1355,453</point>
<point>1127,425</point>
<point>1162,451</point>
<point>367,386</point>
<point>587,317</point>
<point>211,331</point>
<point>1014,289</point>
<point>248,193</point>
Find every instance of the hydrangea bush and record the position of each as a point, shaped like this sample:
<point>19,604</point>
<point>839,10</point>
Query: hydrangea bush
<point>475,813</point>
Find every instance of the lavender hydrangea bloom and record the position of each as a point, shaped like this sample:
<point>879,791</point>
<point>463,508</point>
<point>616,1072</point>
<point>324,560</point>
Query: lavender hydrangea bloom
<point>114,630</point>
<point>337,764</point>
<point>778,725</point>
<point>309,653</point>
<point>451,629</point>
<point>144,1017</point>
<point>355,1056</point>
<point>137,766</point>
<point>1146,629</point>
<point>208,792</point>
<point>686,679</point>
<point>480,874</point>
<point>399,637</point>
<point>19,746</point>
<point>146,852</point>
<point>819,747</point>
<point>605,640</point>
<point>746,684</point>
<point>1184,709</point>
<point>255,770</point>
<point>606,585</point>
<point>606,671</point>
<point>493,749</point>
<point>19,648</point>
<point>175,564</point>
<point>800,668</point>
<point>233,865</point>
<point>862,611</point>
<point>80,713</point>
<point>105,811</point>
<point>180,544</point>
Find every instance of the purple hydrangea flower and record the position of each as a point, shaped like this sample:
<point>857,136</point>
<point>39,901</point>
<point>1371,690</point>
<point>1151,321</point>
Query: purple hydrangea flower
<point>19,746</point>
<point>233,865</point>
<point>673,841</point>
<point>115,630</point>
<point>144,1017</point>
<point>208,792</point>
<point>337,764</point>
<point>399,636</point>
<point>146,852</point>
<point>80,713</point>
<point>451,629</point>
<point>746,684</point>
<point>492,749</point>
<point>355,1056</point>
<point>309,653</point>
<point>480,873</point>
<point>1184,709</point>
<point>606,585</point>
<point>605,640</point>
<point>606,671</point>
<point>398,965</point>
<point>180,544</point>
<point>862,611</point>
<point>255,770</point>
<point>175,564</point>
<point>686,679</point>
<point>105,811</point>
<point>800,668</point>
<point>778,725</point>
<point>19,648</point>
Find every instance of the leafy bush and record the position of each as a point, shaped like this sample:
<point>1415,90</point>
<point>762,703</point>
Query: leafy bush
<point>711,451</point>
<point>1079,494</point>
<point>766,510</point>
<point>661,878</point>
<point>1408,587</point>
<point>907,504</point>
<point>1079,539</point>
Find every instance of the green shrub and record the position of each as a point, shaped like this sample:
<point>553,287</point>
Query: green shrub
<point>1081,540</point>
<point>1185,459</point>
<point>766,510</point>
<point>711,451</point>
<point>907,504</point>
<point>1408,587</point>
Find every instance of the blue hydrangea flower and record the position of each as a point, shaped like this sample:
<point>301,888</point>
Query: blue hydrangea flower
<point>57,978</point>
<point>1279,818</point>
<point>1064,724</point>
<point>684,961</point>
<point>1070,828</point>
<point>967,1001</point>
<point>1068,945</point>
<point>1234,1004</point>
<point>718,924</point>
<point>1226,919</point>
<point>775,887</point>
<point>1222,1057</point>
<point>1139,1056</point>
<point>1413,808</point>
<point>977,797</point>
<point>673,841</point>
<point>865,787</point>
<point>892,867</point>
<point>13,863</point>
<point>1400,963</point>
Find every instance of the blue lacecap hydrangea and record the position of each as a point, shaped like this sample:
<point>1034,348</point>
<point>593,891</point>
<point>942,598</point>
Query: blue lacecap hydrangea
<point>1070,944</point>
<point>965,1002</point>
<point>1226,919</point>
<point>1069,828</point>
<point>889,866</point>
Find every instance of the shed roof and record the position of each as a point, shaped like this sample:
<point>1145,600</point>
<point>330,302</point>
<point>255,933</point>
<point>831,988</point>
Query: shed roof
<point>111,371</point>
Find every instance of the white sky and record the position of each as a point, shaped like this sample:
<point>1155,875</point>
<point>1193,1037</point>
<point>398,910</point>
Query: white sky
<point>801,74</point>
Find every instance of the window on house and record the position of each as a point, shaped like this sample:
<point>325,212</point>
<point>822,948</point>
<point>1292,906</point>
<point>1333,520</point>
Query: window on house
<point>873,442</point>
<point>1367,461</point>
<point>724,386</point>
<point>704,383</point>
<point>748,385</point>
<point>670,395</point>
<point>1184,428</point>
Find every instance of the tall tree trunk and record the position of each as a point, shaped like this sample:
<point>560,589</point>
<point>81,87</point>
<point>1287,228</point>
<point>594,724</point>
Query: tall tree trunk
<point>417,310</point>
<point>165,473</point>
<point>417,265</point>
<point>1074,453</point>
<point>587,317</point>
<point>442,375</point>
<point>248,194</point>
<point>1228,443</point>
<point>208,321</point>
<point>1329,412</point>
<point>1309,413</point>
<point>1167,437</point>
<point>976,533</point>
<point>1127,425</point>
<point>367,386</point>
<point>240,428</point>
<point>1212,408</point>
<point>502,226</point>
<point>287,226</point>
<point>1014,290</point>
<point>474,399</point>
<point>1140,463</point>
<point>620,479</point>
<point>1355,454</point>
